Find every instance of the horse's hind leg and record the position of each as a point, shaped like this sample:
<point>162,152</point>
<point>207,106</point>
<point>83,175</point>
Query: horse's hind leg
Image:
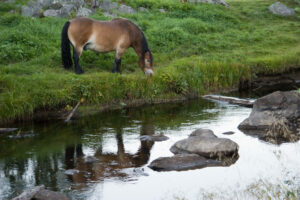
<point>76,55</point>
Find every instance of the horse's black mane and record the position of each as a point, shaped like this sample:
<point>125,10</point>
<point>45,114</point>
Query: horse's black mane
<point>144,43</point>
<point>145,47</point>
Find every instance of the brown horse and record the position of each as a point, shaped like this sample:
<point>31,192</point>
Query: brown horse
<point>104,36</point>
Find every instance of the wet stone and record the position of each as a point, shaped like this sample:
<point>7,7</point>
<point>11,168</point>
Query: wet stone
<point>205,143</point>
<point>154,138</point>
<point>90,159</point>
<point>71,172</point>
<point>228,133</point>
<point>182,162</point>
<point>39,192</point>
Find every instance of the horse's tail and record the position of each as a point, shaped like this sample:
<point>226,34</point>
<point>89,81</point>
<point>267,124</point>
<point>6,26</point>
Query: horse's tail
<point>65,47</point>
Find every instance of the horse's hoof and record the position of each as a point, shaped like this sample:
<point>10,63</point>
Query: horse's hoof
<point>80,72</point>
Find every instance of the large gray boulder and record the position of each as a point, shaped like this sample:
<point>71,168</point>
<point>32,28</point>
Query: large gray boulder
<point>272,107</point>
<point>205,143</point>
<point>274,116</point>
<point>280,9</point>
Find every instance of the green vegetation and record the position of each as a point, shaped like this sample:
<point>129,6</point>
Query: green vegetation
<point>197,49</point>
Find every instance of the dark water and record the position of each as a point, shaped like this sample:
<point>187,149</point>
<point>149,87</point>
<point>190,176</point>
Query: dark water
<point>120,172</point>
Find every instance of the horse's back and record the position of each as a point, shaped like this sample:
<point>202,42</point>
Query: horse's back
<point>102,36</point>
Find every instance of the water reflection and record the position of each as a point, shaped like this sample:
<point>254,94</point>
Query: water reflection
<point>56,147</point>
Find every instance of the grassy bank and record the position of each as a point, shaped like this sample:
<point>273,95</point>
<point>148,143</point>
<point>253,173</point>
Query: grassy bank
<point>197,49</point>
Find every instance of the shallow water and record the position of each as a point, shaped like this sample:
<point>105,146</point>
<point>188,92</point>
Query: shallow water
<point>263,170</point>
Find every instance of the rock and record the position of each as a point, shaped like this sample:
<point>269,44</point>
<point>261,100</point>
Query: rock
<point>140,171</point>
<point>280,9</point>
<point>203,132</point>
<point>22,135</point>
<point>154,138</point>
<point>231,100</point>
<point>274,116</point>
<point>204,143</point>
<point>66,10</point>
<point>56,5</point>
<point>39,192</point>
<point>142,9</point>
<point>90,159</point>
<point>7,130</point>
<point>182,162</point>
<point>228,133</point>
<point>272,107</point>
<point>162,10</point>
<point>83,12</point>
<point>126,9</point>
<point>51,13</point>
<point>71,172</point>
<point>108,14</point>
<point>107,6</point>
<point>221,2</point>
<point>50,195</point>
<point>29,194</point>
<point>33,11</point>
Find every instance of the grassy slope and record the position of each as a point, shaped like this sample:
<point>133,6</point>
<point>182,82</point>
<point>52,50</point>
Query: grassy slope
<point>197,49</point>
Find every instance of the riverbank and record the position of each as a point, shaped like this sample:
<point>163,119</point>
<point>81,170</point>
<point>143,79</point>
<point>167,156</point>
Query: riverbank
<point>197,49</point>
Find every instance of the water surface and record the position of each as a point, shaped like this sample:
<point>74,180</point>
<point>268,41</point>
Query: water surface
<point>120,172</point>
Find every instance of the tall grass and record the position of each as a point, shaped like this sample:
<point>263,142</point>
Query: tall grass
<point>197,48</point>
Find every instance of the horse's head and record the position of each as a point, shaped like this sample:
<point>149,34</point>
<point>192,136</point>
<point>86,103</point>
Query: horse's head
<point>148,64</point>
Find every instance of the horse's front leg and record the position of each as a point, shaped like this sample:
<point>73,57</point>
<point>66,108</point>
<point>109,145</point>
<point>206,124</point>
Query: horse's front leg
<point>117,65</point>
<point>76,55</point>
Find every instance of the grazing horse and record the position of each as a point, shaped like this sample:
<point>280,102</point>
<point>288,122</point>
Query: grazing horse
<point>104,36</point>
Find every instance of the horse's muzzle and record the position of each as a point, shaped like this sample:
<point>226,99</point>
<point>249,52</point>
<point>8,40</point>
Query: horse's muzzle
<point>149,72</point>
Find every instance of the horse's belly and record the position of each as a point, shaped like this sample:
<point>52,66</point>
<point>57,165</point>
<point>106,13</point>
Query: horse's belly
<point>97,48</point>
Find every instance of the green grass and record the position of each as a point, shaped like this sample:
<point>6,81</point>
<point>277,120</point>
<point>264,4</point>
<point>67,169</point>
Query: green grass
<point>197,49</point>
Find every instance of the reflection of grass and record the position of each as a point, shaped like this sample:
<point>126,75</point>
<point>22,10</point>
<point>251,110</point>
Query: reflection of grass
<point>260,190</point>
<point>197,49</point>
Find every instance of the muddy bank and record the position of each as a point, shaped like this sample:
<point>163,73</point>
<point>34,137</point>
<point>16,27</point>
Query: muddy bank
<point>265,84</point>
<point>262,85</point>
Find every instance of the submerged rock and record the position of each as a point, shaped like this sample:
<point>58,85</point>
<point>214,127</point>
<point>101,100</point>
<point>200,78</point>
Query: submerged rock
<point>280,9</point>
<point>228,133</point>
<point>154,138</point>
<point>275,115</point>
<point>205,143</point>
<point>71,172</point>
<point>39,192</point>
<point>182,162</point>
